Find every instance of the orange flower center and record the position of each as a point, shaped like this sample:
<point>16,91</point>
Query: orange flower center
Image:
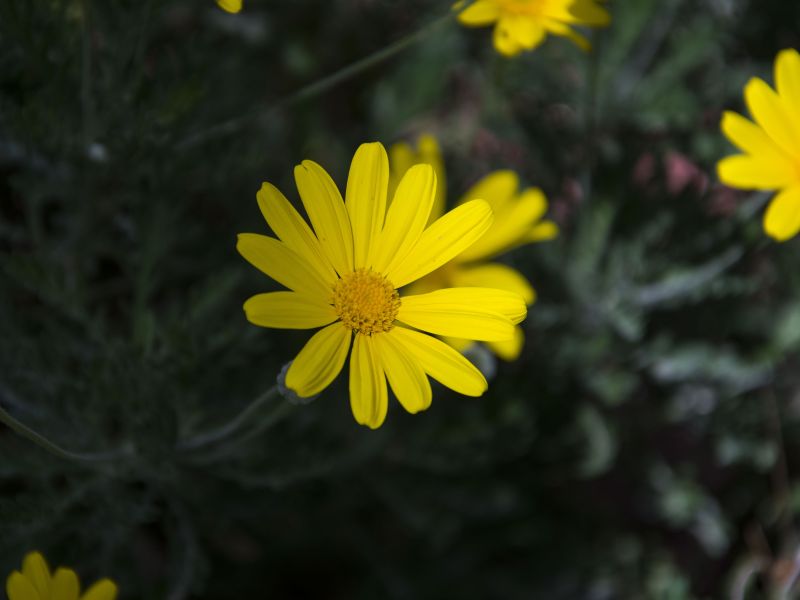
<point>366,302</point>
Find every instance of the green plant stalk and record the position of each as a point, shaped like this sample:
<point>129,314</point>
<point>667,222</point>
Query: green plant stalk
<point>233,426</point>
<point>41,441</point>
<point>315,88</point>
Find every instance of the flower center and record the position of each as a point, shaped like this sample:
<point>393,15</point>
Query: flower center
<point>366,302</point>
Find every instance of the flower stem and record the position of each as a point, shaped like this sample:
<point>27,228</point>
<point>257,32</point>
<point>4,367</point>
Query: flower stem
<point>313,89</point>
<point>55,449</point>
<point>210,438</point>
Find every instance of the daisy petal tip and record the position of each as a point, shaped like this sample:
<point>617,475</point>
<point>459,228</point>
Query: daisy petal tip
<point>787,54</point>
<point>755,86</point>
<point>726,118</point>
<point>230,6</point>
<point>105,589</point>
<point>782,218</point>
<point>484,207</point>
<point>374,425</point>
<point>374,148</point>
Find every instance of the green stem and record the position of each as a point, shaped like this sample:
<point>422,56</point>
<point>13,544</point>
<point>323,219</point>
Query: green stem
<point>309,91</point>
<point>44,443</point>
<point>210,438</point>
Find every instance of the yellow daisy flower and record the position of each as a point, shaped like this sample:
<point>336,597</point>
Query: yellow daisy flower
<point>231,6</point>
<point>523,24</point>
<point>36,583</point>
<point>517,221</point>
<point>344,275</point>
<point>771,145</point>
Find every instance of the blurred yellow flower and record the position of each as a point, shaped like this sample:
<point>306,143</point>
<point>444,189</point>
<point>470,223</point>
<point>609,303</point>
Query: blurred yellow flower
<point>771,145</point>
<point>231,6</point>
<point>521,25</point>
<point>517,221</point>
<point>344,276</point>
<point>35,582</point>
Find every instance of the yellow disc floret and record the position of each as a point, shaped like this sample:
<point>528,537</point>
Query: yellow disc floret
<point>366,302</point>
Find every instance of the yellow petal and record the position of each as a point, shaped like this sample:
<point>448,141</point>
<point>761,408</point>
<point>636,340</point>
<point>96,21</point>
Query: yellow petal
<point>105,589</point>
<point>587,12</point>
<point>325,208</point>
<point>480,12</point>
<point>365,198</point>
<point>288,310</point>
<point>65,585</point>
<point>511,226</point>
<point>769,112</point>
<point>293,231</point>
<point>787,81</point>
<point>504,42</point>
<point>496,188</point>
<point>368,394</point>
<point>406,376</point>
<point>459,344</point>
<point>782,219</point>
<point>751,172</point>
<point>35,568</point>
<point>275,259</point>
<point>441,362</point>
<point>406,219</point>
<point>444,239</point>
<point>541,232</point>
<point>510,349</point>
<point>320,361</point>
<point>749,137</point>
<point>494,275</point>
<point>430,154</point>
<point>527,32</point>
<point>19,587</point>
<point>231,6</point>
<point>401,158</point>
<point>564,30</point>
<point>470,313</point>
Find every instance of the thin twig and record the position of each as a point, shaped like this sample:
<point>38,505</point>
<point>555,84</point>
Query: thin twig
<point>309,91</point>
<point>212,437</point>
<point>55,449</point>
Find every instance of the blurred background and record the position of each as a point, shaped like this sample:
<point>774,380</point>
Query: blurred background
<point>645,444</point>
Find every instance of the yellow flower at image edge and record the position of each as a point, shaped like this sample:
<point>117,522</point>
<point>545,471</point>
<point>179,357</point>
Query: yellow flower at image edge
<point>771,145</point>
<point>35,582</point>
<point>344,276</point>
<point>518,220</point>
<point>231,6</point>
<point>521,25</point>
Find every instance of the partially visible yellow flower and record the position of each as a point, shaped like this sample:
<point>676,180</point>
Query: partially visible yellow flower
<point>344,275</point>
<point>35,582</point>
<point>771,145</point>
<point>402,157</point>
<point>231,6</point>
<point>523,24</point>
<point>517,221</point>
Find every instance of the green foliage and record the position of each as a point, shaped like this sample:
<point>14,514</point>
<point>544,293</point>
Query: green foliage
<point>643,446</point>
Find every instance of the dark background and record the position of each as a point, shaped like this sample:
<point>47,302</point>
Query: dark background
<point>645,445</point>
